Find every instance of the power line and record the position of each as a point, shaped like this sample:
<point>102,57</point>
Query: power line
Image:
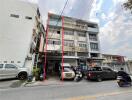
<point>60,16</point>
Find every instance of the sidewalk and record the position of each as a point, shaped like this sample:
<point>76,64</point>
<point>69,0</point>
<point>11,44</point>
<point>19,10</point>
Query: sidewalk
<point>46,82</point>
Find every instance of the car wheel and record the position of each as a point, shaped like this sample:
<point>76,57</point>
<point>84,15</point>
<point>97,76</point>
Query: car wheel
<point>22,76</point>
<point>120,84</point>
<point>99,79</point>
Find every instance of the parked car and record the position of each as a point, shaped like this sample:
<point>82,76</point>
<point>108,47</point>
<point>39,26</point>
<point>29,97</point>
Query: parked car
<point>67,72</point>
<point>101,73</point>
<point>13,71</point>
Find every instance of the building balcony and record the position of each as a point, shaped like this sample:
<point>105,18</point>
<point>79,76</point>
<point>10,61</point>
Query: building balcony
<point>69,25</point>
<point>80,49</point>
<point>51,47</point>
<point>93,30</point>
<point>67,48</point>
<point>84,39</point>
<point>69,37</point>
<point>81,27</point>
<point>54,35</point>
<point>55,23</point>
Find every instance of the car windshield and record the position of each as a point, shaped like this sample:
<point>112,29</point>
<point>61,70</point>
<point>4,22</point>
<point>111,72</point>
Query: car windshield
<point>67,70</point>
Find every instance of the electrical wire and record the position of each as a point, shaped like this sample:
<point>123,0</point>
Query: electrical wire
<point>59,17</point>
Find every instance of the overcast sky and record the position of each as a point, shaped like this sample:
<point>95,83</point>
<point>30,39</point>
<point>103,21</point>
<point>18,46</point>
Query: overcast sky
<point>115,23</point>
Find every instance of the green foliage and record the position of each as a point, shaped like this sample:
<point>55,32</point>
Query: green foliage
<point>36,72</point>
<point>128,5</point>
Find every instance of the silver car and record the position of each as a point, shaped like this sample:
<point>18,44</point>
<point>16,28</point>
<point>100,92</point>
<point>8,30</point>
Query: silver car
<point>12,71</point>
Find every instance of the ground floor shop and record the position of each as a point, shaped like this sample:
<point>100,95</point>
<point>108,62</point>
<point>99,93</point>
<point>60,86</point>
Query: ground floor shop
<point>53,63</point>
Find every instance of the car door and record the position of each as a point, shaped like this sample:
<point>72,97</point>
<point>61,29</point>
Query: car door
<point>111,73</point>
<point>1,71</point>
<point>106,73</point>
<point>10,71</point>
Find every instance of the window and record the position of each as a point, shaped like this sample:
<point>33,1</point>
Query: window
<point>54,31</point>
<point>82,45</point>
<point>10,66</point>
<point>68,43</point>
<point>12,61</point>
<point>94,54</point>
<point>67,32</point>
<point>69,53</point>
<point>92,25</point>
<point>93,37</point>
<point>84,54</point>
<point>54,42</point>
<point>13,15</point>
<point>27,17</point>
<point>5,61</point>
<point>1,65</point>
<point>58,32</point>
<point>94,46</point>
<point>95,69</point>
<point>81,34</point>
<point>66,70</point>
<point>18,61</point>
<point>106,69</point>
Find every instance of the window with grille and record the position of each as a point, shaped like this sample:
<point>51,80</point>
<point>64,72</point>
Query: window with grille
<point>93,37</point>
<point>94,46</point>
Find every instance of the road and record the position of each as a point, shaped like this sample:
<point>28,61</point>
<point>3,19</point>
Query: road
<point>84,90</point>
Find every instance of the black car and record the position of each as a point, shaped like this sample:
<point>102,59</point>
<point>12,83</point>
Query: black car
<point>100,73</point>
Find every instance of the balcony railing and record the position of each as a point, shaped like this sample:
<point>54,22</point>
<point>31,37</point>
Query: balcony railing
<point>80,49</point>
<point>95,30</point>
<point>67,48</point>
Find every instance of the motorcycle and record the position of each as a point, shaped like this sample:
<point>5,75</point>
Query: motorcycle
<point>78,76</point>
<point>123,82</point>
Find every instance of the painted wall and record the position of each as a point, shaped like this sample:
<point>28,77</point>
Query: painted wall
<point>15,33</point>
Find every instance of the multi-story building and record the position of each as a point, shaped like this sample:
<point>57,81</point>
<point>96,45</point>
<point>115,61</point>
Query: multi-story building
<point>19,32</point>
<point>81,42</point>
<point>116,62</point>
<point>108,59</point>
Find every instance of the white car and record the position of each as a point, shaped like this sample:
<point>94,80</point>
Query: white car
<point>67,73</point>
<point>13,71</point>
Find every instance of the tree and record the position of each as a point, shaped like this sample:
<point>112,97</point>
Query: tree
<point>128,5</point>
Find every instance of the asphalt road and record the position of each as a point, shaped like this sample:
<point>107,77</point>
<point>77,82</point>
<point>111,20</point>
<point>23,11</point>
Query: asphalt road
<point>84,90</point>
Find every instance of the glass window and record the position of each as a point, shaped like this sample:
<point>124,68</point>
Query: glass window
<point>12,61</point>
<point>14,15</point>
<point>94,46</point>
<point>66,32</point>
<point>10,66</point>
<point>1,65</point>
<point>93,37</point>
<point>54,42</point>
<point>68,43</point>
<point>106,69</point>
<point>81,34</point>
<point>68,53</point>
<point>82,54</point>
<point>66,70</point>
<point>82,45</point>
<point>27,17</point>
<point>95,69</point>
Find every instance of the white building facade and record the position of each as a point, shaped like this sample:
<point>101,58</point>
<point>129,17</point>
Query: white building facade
<point>17,20</point>
<point>81,42</point>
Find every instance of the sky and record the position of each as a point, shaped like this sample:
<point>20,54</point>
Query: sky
<point>115,23</point>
